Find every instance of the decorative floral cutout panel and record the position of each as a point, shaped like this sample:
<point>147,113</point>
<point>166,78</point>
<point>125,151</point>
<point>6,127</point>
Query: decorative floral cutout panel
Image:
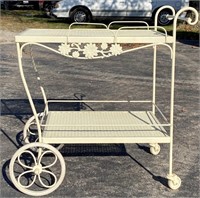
<point>90,50</point>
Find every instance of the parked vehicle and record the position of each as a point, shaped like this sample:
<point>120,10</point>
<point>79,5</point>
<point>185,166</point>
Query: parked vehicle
<point>45,5</point>
<point>86,10</point>
<point>16,3</point>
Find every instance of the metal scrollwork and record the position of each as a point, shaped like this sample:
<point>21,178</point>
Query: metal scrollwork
<point>90,50</point>
<point>32,174</point>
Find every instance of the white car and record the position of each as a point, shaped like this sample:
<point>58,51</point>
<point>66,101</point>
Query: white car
<point>86,10</point>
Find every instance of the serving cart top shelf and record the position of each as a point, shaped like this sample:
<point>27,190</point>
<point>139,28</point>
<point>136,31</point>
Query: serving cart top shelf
<point>93,36</point>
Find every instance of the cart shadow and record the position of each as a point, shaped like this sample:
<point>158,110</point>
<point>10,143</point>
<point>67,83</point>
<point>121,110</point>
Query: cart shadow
<point>21,107</point>
<point>78,150</point>
<point>160,179</point>
<point>85,150</point>
<point>108,150</point>
<point>4,171</point>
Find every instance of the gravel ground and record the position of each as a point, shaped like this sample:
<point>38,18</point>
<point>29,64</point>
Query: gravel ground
<point>107,170</point>
<point>7,36</point>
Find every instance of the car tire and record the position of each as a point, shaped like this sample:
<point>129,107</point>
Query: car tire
<point>47,7</point>
<point>80,15</point>
<point>162,19</point>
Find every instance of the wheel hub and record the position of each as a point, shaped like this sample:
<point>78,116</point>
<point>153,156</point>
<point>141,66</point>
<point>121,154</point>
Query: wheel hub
<point>80,16</point>
<point>164,18</point>
<point>37,169</point>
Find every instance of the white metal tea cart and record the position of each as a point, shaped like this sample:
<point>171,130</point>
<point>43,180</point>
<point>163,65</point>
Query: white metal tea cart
<point>29,166</point>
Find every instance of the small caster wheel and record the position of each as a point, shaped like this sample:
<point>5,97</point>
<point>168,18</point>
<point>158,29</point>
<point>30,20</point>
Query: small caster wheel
<point>154,149</point>
<point>37,169</point>
<point>174,182</point>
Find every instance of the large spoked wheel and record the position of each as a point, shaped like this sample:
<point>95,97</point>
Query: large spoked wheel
<point>37,169</point>
<point>80,15</point>
<point>30,132</point>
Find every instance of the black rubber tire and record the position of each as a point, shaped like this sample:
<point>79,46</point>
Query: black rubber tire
<point>162,20</point>
<point>48,9</point>
<point>80,15</point>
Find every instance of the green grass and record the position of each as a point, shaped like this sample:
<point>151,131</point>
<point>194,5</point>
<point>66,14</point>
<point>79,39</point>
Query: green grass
<point>19,20</point>
<point>184,31</point>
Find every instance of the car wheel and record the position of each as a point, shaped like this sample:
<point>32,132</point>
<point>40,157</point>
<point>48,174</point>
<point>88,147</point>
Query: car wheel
<point>47,7</point>
<point>80,15</point>
<point>162,19</point>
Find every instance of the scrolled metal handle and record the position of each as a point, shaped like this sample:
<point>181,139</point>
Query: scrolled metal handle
<point>159,10</point>
<point>187,19</point>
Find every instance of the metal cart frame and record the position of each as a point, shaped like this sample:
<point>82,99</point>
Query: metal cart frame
<point>89,126</point>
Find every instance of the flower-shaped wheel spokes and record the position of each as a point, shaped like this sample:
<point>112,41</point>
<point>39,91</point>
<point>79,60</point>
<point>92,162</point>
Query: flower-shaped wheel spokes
<point>26,179</point>
<point>36,168</point>
<point>45,182</point>
<point>37,173</point>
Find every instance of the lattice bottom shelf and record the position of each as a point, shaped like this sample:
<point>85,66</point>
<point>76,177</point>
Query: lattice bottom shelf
<point>103,127</point>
